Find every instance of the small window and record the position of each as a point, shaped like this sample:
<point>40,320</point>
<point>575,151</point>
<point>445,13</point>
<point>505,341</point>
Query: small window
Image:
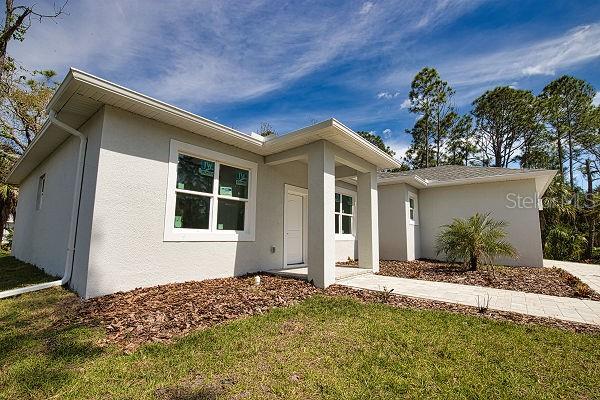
<point>40,192</point>
<point>344,211</point>
<point>413,213</point>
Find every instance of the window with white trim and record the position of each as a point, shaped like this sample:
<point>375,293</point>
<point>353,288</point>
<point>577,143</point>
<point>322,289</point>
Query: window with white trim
<point>211,195</point>
<point>344,214</point>
<point>40,192</point>
<point>413,209</point>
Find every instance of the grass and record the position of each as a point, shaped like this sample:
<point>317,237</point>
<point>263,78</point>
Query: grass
<point>330,348</point>
<point>322,348</point>
<point>15,274</point>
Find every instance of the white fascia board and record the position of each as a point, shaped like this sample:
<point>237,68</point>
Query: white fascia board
<point>353,136</point>
<point>24,157</point>
<point>543,178</point>
<point>147,101</point>
<point>313,133</point>
<point>494,178</point>
<point>412,180</point>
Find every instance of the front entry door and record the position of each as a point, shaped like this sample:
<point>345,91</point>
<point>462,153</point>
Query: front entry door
<point>294,229</point>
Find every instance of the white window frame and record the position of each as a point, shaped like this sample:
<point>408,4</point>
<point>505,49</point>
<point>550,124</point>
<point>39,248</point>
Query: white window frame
<point>346,236</point>
<point>415,199</point>
<point>39,197</point>
<point>212,234</point>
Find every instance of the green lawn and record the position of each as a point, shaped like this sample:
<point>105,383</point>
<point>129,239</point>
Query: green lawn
<point>332,348</point>
<point>14,273</point>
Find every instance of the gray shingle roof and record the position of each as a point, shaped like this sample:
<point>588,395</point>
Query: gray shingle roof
<point>448,173</point>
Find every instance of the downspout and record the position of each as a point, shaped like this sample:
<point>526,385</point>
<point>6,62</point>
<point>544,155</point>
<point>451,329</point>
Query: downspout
<point>74,215</point>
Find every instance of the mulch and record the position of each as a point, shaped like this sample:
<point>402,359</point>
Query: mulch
<point>550,281</point>
<point>161,313</point>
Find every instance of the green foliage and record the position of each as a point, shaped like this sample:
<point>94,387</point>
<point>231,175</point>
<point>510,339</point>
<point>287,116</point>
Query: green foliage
<point>377,141</point>
<point>460,147</point>
<point>266,130</point>
<point>431,98</point>
<point>506,120</point>
<point>567,110</point>
<point>475,241</point>
<point>564,243</point>
<point>420,154</point>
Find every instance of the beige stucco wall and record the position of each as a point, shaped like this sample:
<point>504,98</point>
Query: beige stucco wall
<point>439,205</point>
<point>41,236</point>
<point>399,239</point>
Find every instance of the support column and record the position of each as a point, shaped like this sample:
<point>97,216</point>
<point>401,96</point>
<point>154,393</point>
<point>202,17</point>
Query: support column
<point>321,206</point>
<point>368,227</point>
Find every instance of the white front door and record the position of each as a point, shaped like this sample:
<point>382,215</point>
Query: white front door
<point>294,229</point>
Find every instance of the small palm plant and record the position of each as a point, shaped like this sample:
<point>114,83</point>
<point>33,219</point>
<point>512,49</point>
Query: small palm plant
<point>474,241</point>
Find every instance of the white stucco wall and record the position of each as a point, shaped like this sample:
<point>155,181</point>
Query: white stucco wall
<point>93,130</point>
<point>126,243</point>
<point>41,236</point>
<point>127,248</point>
<point>398,238</point>
<point>439,205</point>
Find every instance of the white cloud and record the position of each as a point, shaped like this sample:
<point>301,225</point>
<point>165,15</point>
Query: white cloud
<point>405,104</point>
<point>366,8</point>
<point>472,72</point>
<point>387,95</point>
<point>387,133</point>
<point>544,57</point>
<point>596,100</point>
<point>399,147</point>
<point>202,52</point>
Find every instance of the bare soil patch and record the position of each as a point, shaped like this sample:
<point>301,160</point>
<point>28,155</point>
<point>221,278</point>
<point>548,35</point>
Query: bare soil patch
<point>161,313</point>
<point>550,281</point>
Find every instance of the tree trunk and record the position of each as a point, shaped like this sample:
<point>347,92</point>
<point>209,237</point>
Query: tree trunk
<point>559,149</point>
<point>426,142</point>
<point>590,204</point>
<point>438,140</point>
<point>472,263</point>
<point>570,143</point>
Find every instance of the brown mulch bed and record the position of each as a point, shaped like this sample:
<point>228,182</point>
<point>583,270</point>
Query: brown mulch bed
<point>161,313</point>
<point>550,281</point>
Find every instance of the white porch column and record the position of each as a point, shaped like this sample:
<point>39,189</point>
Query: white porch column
<point>368,227</point>
<point>321,205</point>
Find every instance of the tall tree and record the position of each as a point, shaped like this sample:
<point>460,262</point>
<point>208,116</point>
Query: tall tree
<point>504,117</point>
<point>423,96</point>
<point>17,20</point>
<point>567,106</point>
<point>22,113</point>
<point>22,109</point>
<point>443,115</point>
<point>377,141</point>
<point>460,146</point>
<point>420,154</point>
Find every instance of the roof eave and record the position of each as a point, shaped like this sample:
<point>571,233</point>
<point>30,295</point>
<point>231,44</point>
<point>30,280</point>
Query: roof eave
<point>543,177</point>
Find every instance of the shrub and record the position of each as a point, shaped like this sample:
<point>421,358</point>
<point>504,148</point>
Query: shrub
<point>564,243</point>
<point>474,241</point>
<point>583,290</point>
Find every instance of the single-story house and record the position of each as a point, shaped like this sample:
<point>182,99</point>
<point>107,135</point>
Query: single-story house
<point>120,191</point>
<point>413,205</point>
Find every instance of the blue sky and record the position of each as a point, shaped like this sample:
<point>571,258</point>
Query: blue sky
<point>291,63</point>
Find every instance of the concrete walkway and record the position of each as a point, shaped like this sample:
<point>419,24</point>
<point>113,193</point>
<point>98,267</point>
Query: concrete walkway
<point>588,273</point>
<point>302,272</point>
<point>565,308</point>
